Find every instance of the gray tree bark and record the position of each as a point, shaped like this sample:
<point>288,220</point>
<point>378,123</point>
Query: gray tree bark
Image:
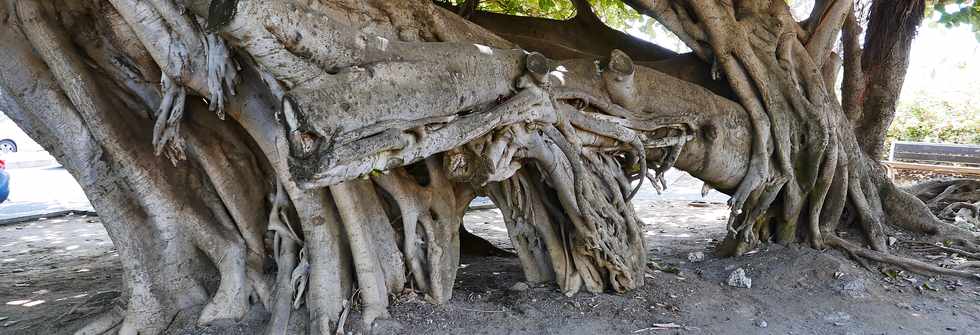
<point>338,143</point>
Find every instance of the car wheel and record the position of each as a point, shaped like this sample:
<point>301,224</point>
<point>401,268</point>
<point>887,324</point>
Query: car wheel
<point>7,146</point>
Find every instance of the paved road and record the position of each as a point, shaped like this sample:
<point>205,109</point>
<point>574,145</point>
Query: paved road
<point>50,189</point>
<point>680,187</point>
<point>42,190</point>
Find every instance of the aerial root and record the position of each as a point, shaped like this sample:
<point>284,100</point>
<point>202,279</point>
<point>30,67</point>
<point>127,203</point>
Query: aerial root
<point>368,260</point>
<point>431,216</point>
<point>166,128</point>
<point>285,245</point>
<point>222,74</point>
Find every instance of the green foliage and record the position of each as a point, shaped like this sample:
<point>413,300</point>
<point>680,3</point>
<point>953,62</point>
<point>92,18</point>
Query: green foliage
<point>928,119</point>
<point>958,12</point>
<point>554,9</point>
<point>614,13</point>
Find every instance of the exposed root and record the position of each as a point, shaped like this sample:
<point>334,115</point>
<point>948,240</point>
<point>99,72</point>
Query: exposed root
<point>104,323</point>
<point>941,192</point>
<point>230,301</point>
<point>903,262</point>
<point>917,245</point>
<point>965,211</point>
<point>956,200</point>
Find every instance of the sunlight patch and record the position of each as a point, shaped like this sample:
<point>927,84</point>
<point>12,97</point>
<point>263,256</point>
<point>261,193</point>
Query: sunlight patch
<point>382,43</point>
<point>33,303</point>
<point>484,49</point>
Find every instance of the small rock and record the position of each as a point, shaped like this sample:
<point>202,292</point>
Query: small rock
<point>695,257</point>
<point>520,287</point>
<point>853,288</point>
<point>387,326</point>
<point>952,329</point>
<point>739,279</point>
<point>892,240</point>
<point>854,285</point>
<point>762,324</point>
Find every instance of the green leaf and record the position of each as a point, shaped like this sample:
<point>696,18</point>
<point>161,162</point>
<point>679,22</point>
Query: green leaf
<point>546,5</point>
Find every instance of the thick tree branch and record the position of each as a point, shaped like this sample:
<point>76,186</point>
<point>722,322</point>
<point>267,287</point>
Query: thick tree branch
<point>825,32</point>
<point>891,27</point>
<point>567,39</point>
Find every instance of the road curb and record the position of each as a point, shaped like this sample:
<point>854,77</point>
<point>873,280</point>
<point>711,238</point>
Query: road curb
<point>22,219</point>
<point>31,164</point>
<point>480,207</point>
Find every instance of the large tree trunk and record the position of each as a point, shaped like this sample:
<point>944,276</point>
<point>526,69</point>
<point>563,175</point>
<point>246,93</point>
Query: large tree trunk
<point>298,154</point>
<point>875,73</point>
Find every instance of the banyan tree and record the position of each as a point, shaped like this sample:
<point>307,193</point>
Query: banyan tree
<point>293,155</point>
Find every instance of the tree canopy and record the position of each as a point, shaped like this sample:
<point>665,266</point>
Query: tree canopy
<point>959,12</point>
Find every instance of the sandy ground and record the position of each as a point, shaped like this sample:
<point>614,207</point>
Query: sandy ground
<point>51,267</point>
<point>57,272</point>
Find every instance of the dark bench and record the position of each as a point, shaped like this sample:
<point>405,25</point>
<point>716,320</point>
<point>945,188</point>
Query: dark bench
<point>939,157</point>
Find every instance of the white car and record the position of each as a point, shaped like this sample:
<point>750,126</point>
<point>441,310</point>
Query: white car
<point>13,139</point>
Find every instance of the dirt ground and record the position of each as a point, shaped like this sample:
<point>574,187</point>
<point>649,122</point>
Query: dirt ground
<point>57,272</point>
